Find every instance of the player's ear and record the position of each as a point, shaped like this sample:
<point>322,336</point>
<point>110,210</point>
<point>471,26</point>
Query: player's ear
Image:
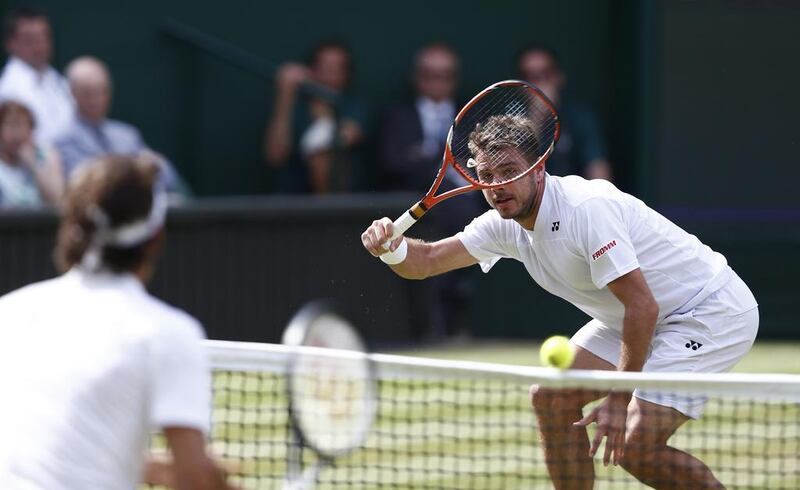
<point>538,174</point>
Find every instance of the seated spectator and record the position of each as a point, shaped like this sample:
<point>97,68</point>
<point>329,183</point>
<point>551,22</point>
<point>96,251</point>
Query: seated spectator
<point>581,149</point>
<point>30,174</point>
<point>411,143</point>
<point>92,134</point>
<point>28,76</point>
<point>301,136</point>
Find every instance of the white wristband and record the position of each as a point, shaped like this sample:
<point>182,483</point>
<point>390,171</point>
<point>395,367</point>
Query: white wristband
<point>397,256</point>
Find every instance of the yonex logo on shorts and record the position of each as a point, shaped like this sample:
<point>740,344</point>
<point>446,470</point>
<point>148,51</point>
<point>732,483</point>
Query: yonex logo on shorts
<point>693,345</point>
<point>555,226</point>
<point>605,248</point>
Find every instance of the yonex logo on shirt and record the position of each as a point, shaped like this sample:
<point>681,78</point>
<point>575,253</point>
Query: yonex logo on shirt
<point>605,248</point>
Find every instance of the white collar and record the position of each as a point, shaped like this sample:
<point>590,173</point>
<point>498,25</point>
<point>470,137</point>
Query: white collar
<point>17,65</point>
<point>543,215</point>
<point>104,278</point>
<point>427,104</point>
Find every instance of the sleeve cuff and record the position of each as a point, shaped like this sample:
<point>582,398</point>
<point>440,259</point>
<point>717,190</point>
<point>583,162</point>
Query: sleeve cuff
<point>485,260</point>
<point>603,282</point>
<point>203,426</point>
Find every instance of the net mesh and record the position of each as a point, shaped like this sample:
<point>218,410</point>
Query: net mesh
<point>449,425</point>
<point>505,130</point>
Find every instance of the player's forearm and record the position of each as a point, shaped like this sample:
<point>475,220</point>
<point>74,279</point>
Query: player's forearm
<point>637,333</point>
<point>431,259</point>
<point>158,471</point>
<point>417,264</point>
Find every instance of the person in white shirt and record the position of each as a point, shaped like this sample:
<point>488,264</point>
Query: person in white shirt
<point>95,363</point>
<point>28,77</point>
<point>660,301</point>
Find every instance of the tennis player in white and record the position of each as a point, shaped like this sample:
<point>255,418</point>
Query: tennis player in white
<point>660,301</point>
<point>91,364</point>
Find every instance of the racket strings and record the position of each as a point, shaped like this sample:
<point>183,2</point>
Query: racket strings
<point>506,119</point>
<point>332,399</point>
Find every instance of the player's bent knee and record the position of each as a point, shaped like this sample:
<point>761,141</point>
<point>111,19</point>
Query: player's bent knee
<point>642,446</point>
<point>543,399</point>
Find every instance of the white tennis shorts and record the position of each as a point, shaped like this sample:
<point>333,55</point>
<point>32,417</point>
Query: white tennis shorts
<point>711,338</point>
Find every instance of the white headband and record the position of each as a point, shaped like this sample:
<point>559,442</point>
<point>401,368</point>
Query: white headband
<point>126,235</point>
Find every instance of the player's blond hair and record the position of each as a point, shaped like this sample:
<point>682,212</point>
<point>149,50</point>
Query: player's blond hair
<point>505,131</point>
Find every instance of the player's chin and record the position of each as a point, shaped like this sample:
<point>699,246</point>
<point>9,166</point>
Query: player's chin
<point>506,208</point>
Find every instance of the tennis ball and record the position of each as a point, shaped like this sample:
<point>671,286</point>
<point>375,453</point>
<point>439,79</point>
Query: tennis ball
<point>557,352</point>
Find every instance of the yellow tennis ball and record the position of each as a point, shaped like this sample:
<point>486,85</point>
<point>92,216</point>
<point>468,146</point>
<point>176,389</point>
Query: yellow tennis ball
<point>557,352</point>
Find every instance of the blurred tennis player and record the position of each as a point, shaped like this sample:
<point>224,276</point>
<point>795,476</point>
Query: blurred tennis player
<point>90,363</point>
<point>660,301</point>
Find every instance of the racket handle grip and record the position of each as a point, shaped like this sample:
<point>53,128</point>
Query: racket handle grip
<point>402,224</point>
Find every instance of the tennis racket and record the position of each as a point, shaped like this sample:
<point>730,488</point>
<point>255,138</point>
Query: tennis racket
<point>332,394</point>
<point>508,115</point>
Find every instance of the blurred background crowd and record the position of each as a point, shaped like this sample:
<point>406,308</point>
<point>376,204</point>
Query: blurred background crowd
<point>52,122</point>
<point>328,110</point>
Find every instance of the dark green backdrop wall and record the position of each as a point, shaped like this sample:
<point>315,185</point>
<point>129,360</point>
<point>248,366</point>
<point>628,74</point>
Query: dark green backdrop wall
<point>728,104</point>
<point>698,99</point>
<point>209,116</point>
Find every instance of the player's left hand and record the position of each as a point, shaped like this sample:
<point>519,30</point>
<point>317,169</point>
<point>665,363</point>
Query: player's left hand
<point>611,416</point>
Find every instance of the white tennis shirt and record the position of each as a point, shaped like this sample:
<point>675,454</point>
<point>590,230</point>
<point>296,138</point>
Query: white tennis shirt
<point>45,93</point>
<point>587,234</point>
<point>90,364</point>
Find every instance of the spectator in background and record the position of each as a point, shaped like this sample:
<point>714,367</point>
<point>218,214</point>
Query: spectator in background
<point>91,134</point>
<point>301,136</point>
<point>581,148</point>
<point>413,133</point>
<point>412,138</point>
<point>30,174</point>
<point>28,76</point>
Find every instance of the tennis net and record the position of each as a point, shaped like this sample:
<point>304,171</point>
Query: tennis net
<point>467,425</point>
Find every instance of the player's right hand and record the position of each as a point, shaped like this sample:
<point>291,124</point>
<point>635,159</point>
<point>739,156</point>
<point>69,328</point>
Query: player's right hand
<point>378,233</point>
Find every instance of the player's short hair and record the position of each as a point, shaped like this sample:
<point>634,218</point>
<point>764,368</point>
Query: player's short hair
<point>505,131</point>
<point>122,188</point>
<point>12,18</point>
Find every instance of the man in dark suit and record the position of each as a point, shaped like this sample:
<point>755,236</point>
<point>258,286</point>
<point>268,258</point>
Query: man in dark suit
<point>410,145</point>
<point>413,133</point>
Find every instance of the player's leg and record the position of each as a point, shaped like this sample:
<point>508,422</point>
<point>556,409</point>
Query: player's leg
<point>648,457</point>
<point>710,338</point>
<point>566,447</point>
